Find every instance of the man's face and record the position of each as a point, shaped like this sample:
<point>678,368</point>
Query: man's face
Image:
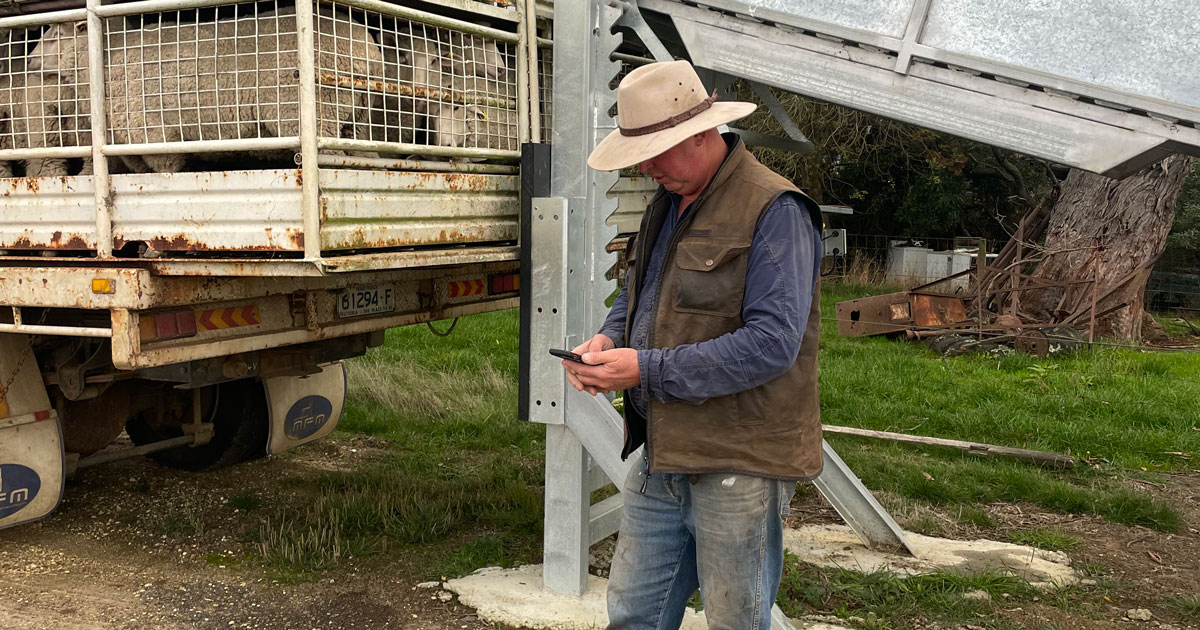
<point>678,169</point>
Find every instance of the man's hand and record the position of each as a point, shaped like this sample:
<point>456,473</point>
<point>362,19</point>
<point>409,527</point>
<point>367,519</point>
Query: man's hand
<point>604,369</point>
<point>607,369</point>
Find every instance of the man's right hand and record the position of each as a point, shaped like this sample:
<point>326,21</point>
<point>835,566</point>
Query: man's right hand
<point>598,343</point>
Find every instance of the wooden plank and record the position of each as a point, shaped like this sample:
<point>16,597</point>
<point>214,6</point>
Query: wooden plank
<point>977,448</point>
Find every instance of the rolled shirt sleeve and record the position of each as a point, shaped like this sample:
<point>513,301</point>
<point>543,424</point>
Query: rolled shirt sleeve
<point>782,272</point>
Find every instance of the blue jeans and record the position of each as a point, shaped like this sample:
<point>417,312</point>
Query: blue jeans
<point>722,534</point>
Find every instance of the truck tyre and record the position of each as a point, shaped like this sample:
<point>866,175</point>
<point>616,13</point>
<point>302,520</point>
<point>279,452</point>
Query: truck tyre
<point>240,426</point>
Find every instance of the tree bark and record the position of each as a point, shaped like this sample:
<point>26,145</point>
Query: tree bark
<point>1107,230</point>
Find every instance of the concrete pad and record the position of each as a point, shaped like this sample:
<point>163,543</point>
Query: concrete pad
<point>838,546</point>
<point>516,597</point>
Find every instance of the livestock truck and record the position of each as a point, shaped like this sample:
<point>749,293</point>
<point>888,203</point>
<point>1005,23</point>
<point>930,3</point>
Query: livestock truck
<point>209,205</point>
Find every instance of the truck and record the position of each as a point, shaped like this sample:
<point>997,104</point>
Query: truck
<point>209,205</point>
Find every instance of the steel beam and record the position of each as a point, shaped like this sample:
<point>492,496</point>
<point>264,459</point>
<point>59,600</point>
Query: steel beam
<point>567,525</point>
<point>855,504</point>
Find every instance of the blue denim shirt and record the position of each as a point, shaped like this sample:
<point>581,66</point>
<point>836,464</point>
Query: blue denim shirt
<point>783,269</point>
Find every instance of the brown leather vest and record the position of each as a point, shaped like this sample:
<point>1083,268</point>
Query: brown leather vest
<point>773,430</point>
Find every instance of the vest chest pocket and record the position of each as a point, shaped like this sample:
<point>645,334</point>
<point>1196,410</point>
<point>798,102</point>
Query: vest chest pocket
<point>710,278</point>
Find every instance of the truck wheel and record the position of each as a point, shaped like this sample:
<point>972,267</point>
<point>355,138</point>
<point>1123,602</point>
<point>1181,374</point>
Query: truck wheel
<point>240,427</point>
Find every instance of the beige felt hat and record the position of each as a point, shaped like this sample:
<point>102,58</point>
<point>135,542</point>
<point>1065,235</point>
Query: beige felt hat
<point>659,105</point>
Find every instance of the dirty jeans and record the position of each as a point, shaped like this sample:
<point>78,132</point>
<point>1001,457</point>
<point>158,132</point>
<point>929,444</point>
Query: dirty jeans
<point>722,534</point>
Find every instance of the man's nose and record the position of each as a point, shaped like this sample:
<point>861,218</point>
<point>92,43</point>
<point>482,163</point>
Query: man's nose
<point>644,167</point>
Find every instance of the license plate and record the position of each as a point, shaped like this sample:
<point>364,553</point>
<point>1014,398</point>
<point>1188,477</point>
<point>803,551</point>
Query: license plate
<point>360,301</point>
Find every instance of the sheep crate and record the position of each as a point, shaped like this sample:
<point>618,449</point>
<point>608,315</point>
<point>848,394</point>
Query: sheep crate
<point>208,129</point>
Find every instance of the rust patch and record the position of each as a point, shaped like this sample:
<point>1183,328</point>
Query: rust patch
<point>31,184</point>
<point>381,236</point>
<point>184,243</point>
<point>452,182</point>
<point>57,241</point>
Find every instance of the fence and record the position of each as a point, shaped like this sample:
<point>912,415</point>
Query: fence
<point>906,262</point>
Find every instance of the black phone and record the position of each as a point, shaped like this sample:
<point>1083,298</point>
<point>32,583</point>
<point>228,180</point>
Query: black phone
<point>566,354</point>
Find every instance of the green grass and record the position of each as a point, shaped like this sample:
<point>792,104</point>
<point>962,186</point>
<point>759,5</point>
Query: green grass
<point>1117,405</point>
<point>459,482</point>
<point>884,600</point>
<point>1045,538</point>
<point>459,466</point>
<point>1187,606</point>
<point>1174,327</point>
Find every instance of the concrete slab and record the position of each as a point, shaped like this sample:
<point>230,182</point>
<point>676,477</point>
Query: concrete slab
<point>838,546</point>
<point>516,597</point>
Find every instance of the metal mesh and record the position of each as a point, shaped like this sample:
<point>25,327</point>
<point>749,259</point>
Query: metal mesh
<point>39,110</point>
<point>545,87</point>
<point>198,76</point>
<point>429,86</point>
<point>232,73</point>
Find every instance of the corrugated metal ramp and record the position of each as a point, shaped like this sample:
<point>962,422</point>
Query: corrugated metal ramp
<point>1103,85</point>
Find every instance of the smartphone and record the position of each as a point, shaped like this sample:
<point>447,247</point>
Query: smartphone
<point>566,354</point>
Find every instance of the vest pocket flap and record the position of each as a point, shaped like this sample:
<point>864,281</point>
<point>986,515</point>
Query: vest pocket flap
<point>708,254</point>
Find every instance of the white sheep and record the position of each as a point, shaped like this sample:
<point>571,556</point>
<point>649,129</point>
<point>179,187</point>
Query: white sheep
<point>30,118</point>
<point>431,65</point>
<point>485,120</point>
<point>223,80</point>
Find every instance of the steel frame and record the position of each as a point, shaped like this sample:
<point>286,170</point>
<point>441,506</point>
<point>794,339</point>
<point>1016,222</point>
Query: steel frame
<point>568,236</point>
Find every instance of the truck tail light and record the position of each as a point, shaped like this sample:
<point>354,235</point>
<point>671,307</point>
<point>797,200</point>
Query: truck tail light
<point>169,325</point>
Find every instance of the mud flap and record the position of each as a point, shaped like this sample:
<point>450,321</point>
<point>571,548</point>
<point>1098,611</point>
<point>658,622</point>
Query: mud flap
<point>32,469</point>
<point>304,408</point>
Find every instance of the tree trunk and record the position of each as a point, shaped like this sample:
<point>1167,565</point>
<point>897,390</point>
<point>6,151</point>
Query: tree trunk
<point>1107,230</point>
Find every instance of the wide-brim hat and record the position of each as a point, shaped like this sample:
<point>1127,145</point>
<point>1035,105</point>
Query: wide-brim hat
<point>659,105</point>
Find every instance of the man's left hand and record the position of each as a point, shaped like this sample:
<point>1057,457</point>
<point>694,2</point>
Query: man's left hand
<point>607,371</point>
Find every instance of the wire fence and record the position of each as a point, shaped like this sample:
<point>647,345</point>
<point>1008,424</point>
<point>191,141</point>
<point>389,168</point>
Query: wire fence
<point>1172,288</point>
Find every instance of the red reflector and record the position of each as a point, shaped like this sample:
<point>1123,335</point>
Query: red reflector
<point>186,321</point>
<point>169,325</point>
<point>166,326</point>
<point>506,283</point>
<point>41,415</point>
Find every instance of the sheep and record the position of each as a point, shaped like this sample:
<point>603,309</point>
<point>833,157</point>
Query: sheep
<point>488,123</point>
<point>430,64</point>
<point>30,119</point>
<point>221,80</point>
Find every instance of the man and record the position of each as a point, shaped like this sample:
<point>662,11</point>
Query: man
<point>714,341</point>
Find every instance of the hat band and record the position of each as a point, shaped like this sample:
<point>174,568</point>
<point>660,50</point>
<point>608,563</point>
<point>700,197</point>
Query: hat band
<point>670,122</point>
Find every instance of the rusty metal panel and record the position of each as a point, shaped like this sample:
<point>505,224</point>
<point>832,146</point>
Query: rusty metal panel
<point>209,211</point>
<point>379,209</point>
<point>420,258</point>
<point>875,315</point>
<point>937,310</point>
<point>47,213</point>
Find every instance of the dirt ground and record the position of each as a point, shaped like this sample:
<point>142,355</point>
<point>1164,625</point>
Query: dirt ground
<point>135,546</point>
<point>120,553</point>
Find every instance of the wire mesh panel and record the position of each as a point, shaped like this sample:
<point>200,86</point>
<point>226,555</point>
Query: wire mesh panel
<point>202,75</point>
<point>545,87</point>
<point>433,86</point>
<point>40,110</point>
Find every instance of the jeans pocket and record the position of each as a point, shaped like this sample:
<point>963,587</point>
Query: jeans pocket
<point>787,490</point>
